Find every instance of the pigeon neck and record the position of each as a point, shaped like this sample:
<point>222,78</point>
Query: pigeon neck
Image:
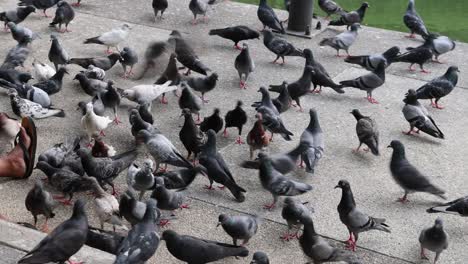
<point>188,121</point>
<point>306,75</point>
<point>361,11</point>
<point>284,94</point>
<point>59,75</point>
<point>265,170</point>
<point>451,76</point>
<point>314,123</point>
<point>357,115</point>
<point>258,126</point>
<point>398,154</point>
<point>347,202</point>
<point>309,229</point>
<point>210,146</point>
<point>410,6</point>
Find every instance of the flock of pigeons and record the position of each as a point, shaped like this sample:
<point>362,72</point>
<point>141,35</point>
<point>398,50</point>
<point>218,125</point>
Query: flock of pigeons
<point>71,168</point>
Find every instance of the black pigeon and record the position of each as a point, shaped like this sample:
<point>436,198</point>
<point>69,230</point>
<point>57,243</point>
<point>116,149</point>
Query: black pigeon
<point>203,84</point>
<point>320,76</point>
<point>128,58</point>
<point>235,118</point>
<point>370,62</point>
<point>64,14</point>
<point>57,54</point>
<point>238,227</point>
<point>456,207</point>
<point>439,87</point>
<point>213,122</point>
<point>63,242</point>
<point>409,177</point>
<point>186,55</point>
<point>267,16</point>
<point>244,65</point>
<point>105,63</point>
<point>16,16</point>
<point>419,55</point>
<point>349,18</point>
<point>181,178</point>
<point>104,240</point>
<point>39,4</point>
<point>216,168</point>
<point>279,46</point>
<point>159,6</point>
<point>331,8</point>
<point>414,22</point>
<point>142,240</point>
<point>190,135</point>
<point>236,34</point>
<point>170,74</point>
<point>40,202</point>
<point>196,250</point>
<point>54,84</point>
<point>418,116</point>
<point>368,82</point>
<point>367,132</point>
<point>111,99</point>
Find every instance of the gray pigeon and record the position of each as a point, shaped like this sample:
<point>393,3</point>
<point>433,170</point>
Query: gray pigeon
<point>293,212</point>
<point>368,82</point>
<point>312,137</point>
<point>57,54</point>
<point>64,14</point>
<point>91,87</point>
<point>409,177</point>
<point>16,56</point>
<point>63,242</point>
<point>24,107</point>
<point>105,63</point>
<point>279,46</point>
<point>330,7</point>
<point>21,34</point>
<point>168,200</point>
<point>434,239</point>
<point>93,72</point>
<point>349,18</point>
<point>318,249</point>
<point>244,65</point>
<point>260,257</point>
<point>128,58</point>
<point>198,7</point>
<point>268,17</point>
<point>367,132</point>
<point>40,202</point>
<point>276,183</point>
<point>181,178</point>
<point>354,219</point>
<point>273,123</point>
<point>141,179</point>
<point>414,22</point>
<point>16,16</point>
<point>439,87</point>
<point>188,100</point>
<point>203,84</point>
<point>457,207</point>
<point>370,62</point>
<point>29,92</point>
<point>196,250</point>
<point>130,208</point>
<point>342,41</point>
<point>418,117</point>
<point>242,227</point>
<point>441,45</point>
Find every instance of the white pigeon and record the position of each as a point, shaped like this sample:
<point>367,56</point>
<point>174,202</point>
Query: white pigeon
<point>41,71</point>
<point>112,38</point>
<point>23,107</point>
<point>94,72</point>
<point>146,93</point>
<point>93,124</point>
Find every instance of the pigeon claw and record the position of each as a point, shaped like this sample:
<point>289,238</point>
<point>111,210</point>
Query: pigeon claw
<point>269,206</point>
<point>209,187</point>
<point>184,206</point>
<point>164,223</point>
<point>239,141</point>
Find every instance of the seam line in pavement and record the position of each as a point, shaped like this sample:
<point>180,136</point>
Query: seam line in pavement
<point>12,246</point>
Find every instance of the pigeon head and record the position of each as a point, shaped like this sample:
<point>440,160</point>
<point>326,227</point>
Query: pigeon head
<point>175,33</point>
<point>453,69</point>
<point>396,145</point>
<point>216,112</point>
<point>129,94</point>
<point>263,90</point>
<point>259,257</point>
<point>53,37</point>
<point>38,187</point>
<point>12,92</point>
<point>310,69</point>
<point>309,56</point>
<point>169,235</point>
<point>83,152</point>
<point>365,5</point>
<point>63,70</point>
<point>186,112</point>
<point>148,163</point>
<point>125,27</point>
<point>343,184</point>
<point>239,103</point>
<point>214,76</point>
<point>221,219</point>
<point>159,182</point>
<point>355,26</point>
<point>357,114</point>
<point>411,97</point>
<point>313,123</point>
<point>245,46</point>
<point>11,25</point>
<point>89,107</point>
<point>80,76</point>
<point>439,223</point>
<point>262,155</point>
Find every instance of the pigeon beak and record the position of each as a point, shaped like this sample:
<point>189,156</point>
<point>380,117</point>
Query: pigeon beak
<point>337,187</point>
<point>219,223</point>
<point>389,146</point>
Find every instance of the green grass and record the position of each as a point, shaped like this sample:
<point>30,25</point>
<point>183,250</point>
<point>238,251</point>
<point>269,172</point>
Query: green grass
<point>447,17</point>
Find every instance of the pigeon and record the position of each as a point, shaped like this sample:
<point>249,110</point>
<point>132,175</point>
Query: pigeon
<point>63,155</point>
<point>153,52</point>
<point>370,62</point>
<point>318,249</point>
<point>41,71</point>
<point>159,5</point>
<point>14,76</point>
<point>142,240</point>
<point>147,93</point>
<point>105,205</point>
<point>266,101</point>
<point>29,92</point>
<point>39,4</point>
<point>141,179</point>
<point>21,34</point>
<point>40,202</point>
<point>235,118</point>
<point>64,241</point>
<point>64,14</point>
<point>168,200</point>
<point>105,63</point>
<point>349,18</point>
<point>293,211</point>
<point>354,219</point>
<point>312,137</point>
<point>145,113</point>
<point>91,87</point>
<point>367,132</point>
<point>279,46</point>
<point>16,16</point>
<point>106,169</point>
<point>138,123</point>
<point>191,136</point>
<point>276,183</point>
<point>457,207</point>
<point>260,257</point>
<point>188,100</point>
<point>203,84</point>
<point>216,168</point>
<point>111,38</point>
<point>300,87</point>
<point>214,122</point>
<point>57,54</point>
<point>54,84</point>
<point>186,55</point>
<point>196,250</point>
<point>130,208</point>
<point>419,55</point>
<point>93,72</point>
<point>257,138</point>
<point>93,124</point>
<point>409,177</point>
<point>9,128</point>
<point>330,8</point>
<point>418,116</point>
<point>181,178</point>
<point>239,226</point>
<point>368,82</point>
<point>162,149</point>
<point>111,99</point>
<point>320,76</point>
<point>244,65</point>
<point>414,22</point>
<point>106,241</point>
<point>283,101</point>
<point>23,107</point>
<point>171,73</point>
<point>236,34</point>
<point>267,16</point>
<point>16,56</point>
<point>128,58</point>
<point>439,87</point>
<point>102,150</point>
<point>440,45</point>
<point>342,41</point>
<point>434,239</point>
<point>198,7</point>
<point>273,123</point>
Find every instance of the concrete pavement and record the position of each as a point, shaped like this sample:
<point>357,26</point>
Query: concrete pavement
<point>369,176</point>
